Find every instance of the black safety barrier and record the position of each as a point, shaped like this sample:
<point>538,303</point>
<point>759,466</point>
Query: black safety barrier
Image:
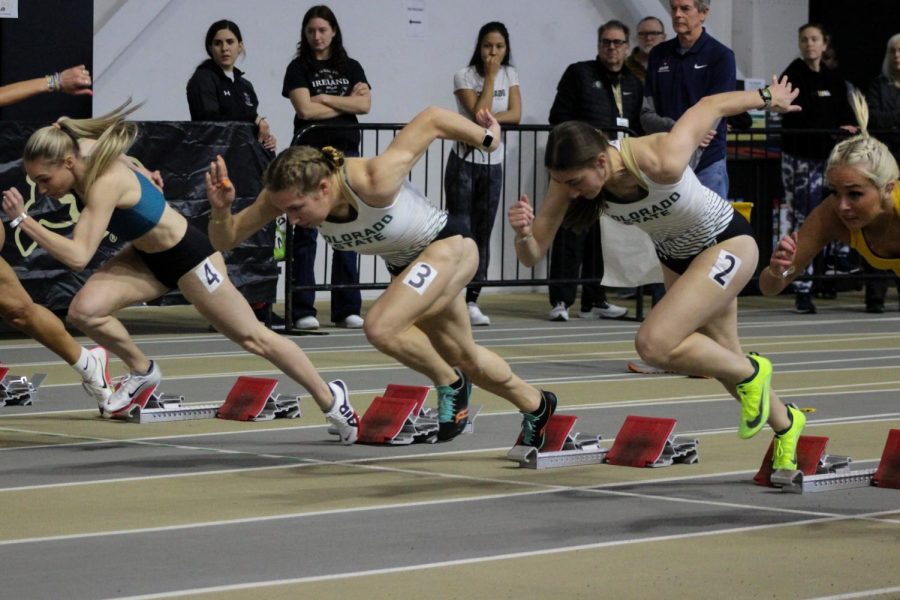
<point>182,152</point>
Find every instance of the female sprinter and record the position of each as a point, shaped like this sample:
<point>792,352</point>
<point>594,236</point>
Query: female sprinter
<point>368,205</point>
<point>87,156</point>
<point>706,248</point>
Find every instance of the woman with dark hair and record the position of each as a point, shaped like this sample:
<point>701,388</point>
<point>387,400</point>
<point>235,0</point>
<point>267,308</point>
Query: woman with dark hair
<point>325,86</point>
<point>87,157</point>
<point>218,91</point>
<point>474,178</point>
<point>823,97</point>
<point>706,248</point>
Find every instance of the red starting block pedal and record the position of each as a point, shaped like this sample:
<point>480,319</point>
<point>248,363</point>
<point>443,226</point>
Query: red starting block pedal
<point>253,399</point>
<point>399,417</point>
<point>18,389</point>
<point>888,473</point>
<point>648,442</point>
<point>562,447</point>
<point>810,453</point>
<point>137,405</point>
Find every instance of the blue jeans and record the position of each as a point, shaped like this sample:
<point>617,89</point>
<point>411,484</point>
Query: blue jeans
<point>715,177</point>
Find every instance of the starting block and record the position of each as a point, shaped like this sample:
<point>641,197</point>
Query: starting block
<point>649,442</point>
<point>250,399</point>
<point>641,442</point>
<point>399,417</point>
<point>816,470</point>
<point>17,389</point>
<point>254,399</point>
<point>888,473</point>
<point>562,447</point>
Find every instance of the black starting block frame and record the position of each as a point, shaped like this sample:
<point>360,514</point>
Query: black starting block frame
<point>641,442</point>
<point>399,417</point>
<point>250,399</point>
<point>18,390</point>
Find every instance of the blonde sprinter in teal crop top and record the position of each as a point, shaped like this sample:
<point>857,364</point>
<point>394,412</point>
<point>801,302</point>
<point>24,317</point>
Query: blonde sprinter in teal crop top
<point>86,156</point>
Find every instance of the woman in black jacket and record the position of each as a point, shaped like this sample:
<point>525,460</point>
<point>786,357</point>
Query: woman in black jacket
<point>218,91</point>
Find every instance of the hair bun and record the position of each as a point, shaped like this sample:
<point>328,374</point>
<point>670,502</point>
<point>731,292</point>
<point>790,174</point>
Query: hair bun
<point>333,156</point>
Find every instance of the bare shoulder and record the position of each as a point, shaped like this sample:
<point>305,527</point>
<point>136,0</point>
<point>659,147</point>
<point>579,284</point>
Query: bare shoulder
<point>376,180</point>
<point>649,155</point>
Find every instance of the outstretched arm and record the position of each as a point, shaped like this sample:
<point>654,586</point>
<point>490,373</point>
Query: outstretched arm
<point>670,153</point>
<point>388,170</point>
<point>534,234</point>
<point>227,230</point>
<point>795,251</point>
<point>74,80</point>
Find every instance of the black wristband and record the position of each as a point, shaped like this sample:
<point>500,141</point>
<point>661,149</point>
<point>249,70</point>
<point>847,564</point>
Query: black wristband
<point>488,139</point>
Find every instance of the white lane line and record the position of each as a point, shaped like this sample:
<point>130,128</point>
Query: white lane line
<point>497,557</point>
<point>861,594</point>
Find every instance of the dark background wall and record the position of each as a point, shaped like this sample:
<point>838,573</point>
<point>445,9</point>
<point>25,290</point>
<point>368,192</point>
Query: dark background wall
<point>48,36</point>
<point>859,32</point>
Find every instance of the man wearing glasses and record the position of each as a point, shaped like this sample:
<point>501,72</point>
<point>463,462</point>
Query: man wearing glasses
<point>607,95</point>
<point>650,32</point>
<point>680,72</point>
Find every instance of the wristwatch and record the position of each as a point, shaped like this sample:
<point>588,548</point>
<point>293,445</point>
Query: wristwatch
<point>488,139</point>
<point>766,95</point>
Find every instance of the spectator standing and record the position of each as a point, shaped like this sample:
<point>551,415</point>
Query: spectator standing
<point>325,86</point>
<point>605,94</point>
<point>650,31</point>
<point>474,177</point>
<point>823,98</point>
<point>218,91</point>
<point>680,72</point>
<point>884,114</point>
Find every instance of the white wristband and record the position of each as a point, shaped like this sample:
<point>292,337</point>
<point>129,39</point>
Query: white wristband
<point>18,220</point>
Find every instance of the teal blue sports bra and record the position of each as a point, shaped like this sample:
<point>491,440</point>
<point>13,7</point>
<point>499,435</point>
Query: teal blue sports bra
<point>131,223</point>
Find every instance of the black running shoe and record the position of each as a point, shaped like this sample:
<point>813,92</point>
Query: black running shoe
<point>453,408</point>
<point>533,426</point>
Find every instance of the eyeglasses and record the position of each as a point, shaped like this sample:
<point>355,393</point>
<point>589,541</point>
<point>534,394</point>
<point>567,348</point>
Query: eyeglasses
<point>650,33</point>
<point>613,43</point>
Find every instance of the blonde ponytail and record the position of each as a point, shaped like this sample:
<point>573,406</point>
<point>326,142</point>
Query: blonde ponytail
<point>113,133</point>
<point>864,152</point>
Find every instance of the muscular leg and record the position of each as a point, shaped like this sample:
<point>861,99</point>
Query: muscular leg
<point>122,281</point>
<point>19,310</point>
<point>228,311</point>
<point>430,332</point>
<point>693,329</point>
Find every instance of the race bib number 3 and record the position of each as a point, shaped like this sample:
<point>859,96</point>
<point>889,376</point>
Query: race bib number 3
<point>420,277</point>
<point>209,275</point>
<point>726,267</point>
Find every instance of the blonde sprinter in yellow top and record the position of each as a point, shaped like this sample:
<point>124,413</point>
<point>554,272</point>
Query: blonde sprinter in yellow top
<point>369,206</point>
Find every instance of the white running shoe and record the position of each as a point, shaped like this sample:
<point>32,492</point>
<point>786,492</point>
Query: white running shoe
<point>96,382</point>
<point>351,322</point>
<point>477,317</point>
<point>342,415</point>
<point>306,323</point>
<point>129,390</point>
<point>605,310</point>
<point>559,312</point>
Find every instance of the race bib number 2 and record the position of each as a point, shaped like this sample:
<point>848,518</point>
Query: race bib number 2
<point>207,273</point>
<point>420,277</point>
<point>726,267</point>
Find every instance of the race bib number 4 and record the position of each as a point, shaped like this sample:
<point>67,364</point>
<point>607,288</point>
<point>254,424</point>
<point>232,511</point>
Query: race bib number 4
<point>207,273</point>
<point>726,267</point>
<point>420,277</point>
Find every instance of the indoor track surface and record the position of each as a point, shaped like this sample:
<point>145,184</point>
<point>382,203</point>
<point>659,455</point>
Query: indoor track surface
<point>93,508</point>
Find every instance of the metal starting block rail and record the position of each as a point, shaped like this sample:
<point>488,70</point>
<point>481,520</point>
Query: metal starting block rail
<point>818,471</point>
<point>250,399</point>
<point>399,417</point>
<point>18,390</point>
<point>641,442</point>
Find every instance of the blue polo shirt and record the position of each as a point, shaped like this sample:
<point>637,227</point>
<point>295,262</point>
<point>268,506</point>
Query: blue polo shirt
<point>676,80</point>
